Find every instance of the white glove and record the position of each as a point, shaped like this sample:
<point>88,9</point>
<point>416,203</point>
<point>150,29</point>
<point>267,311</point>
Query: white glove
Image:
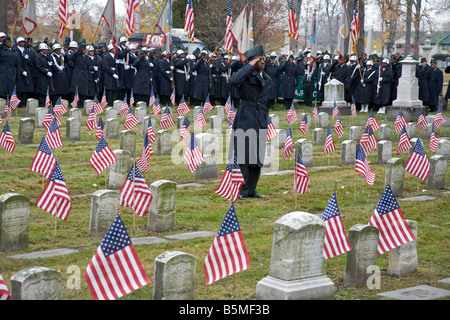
<point>381,79</point>
<point>358,66</point>
<point>362,81</point>
<point>187,78</point>
<point>25,74</point>
<point>95,68</point>
<point>171,67</point>
<point>322,73</point>
<point>151,65</point>
<point>50,63</point>
<point>115,76</point>
<point>171,79</point>
<point>49,74</point>
<point>127,67</point>
<point>26,57</point>
<point>61,68</point>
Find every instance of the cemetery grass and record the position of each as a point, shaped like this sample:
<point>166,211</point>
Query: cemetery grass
<point>199,208</point>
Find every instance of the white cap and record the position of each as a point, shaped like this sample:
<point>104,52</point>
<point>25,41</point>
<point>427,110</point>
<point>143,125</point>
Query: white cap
<point>353,58</point>
<point>336,57</point>
<point>309,55</point>
<point>73,44</point>
<point>132,46</point>
<point>204,51</point>
<point>43,46</point>
<point>179,51</point>
<point>56,46</point>
<point>110,47</point>
<point>369,63</point>
<point>226,57</point>
<point>20,39</point>
<point>273,54</point>
<point>234,58</point>
<point>326,57</point>
<point>386,61</point>
<point>90,48</point>
<point>191,57</point>
<point>123,39</point>
<point>2,35</point>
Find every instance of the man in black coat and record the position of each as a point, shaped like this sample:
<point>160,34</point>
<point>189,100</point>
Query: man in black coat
<point>59,71</point>
<point>272,69</point>
<point>24,84</point>
<point>289,82</point>
<point>44,75</point>
<point>249,133</point>
<point>423,74</point>
<point>181,75</point>
<point>203,81</point>
<point>437,81</point>
<point>110,76</point>
<point>385,79</point>
<point>9,64</point>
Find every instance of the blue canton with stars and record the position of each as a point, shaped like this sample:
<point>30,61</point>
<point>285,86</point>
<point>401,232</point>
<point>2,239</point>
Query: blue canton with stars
<point>418,148</point>
<point>116,238</point>
<point>387,202</point>
<point>137,173</point>
<point>332,209</point>
<point>186,122</point>
<point>102,144</point>
<point>57,174</point>
<point>360,154</point>
<point>230,224</point>
<point>44,147</point>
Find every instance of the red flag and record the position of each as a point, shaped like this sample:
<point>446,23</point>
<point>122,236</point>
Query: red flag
<point>44,162</point>
<point>418,163</point>
<point>103,157</point>
<point>6,139</point>
<point>135,192</point>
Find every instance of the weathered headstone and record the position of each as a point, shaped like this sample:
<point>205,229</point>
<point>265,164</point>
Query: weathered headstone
<point>76,113</point>
<point>87,106</point>
<point>426,135</point>
<point>334,94</point>
<point>65,103</point>
<point>438,171</point>
<point>280,139</point>
<point>163,206</point>
<point>117,104</point>
<point>208,169</point>
<point>196,111</point>
<point>395,175</point>
<point>14,221</point>
<point>319,136</point>
<point>220,112</point>
<point>355,133</point>
<point>216,124</point>
<point>145,125</point>
<point>128,141</point>
<point>305,148</point>
<point>297,265</point>
<point>26,131</point>
<point>443,149</point>
<point>403,259</point>
<point>40,113</point>
<point>112,129</point>
<point>174,276</point>
<point>163,143</point>
<point>141,104</point>
<point>104,208</point>
<point>140,113</point>
<point>73,129</point>
<point>384,132</point>
<point>411,130</point>
<point>30,109</point>
<point>422,292</point>
<point>384,151</point>
<point>323,120</point>
<point>119,170</point>
<point>269,164</point>
<point>348,152</point>
<point>275,120</point>
<point>111,113</point>
<point>208,143</point>
<point>36,283</point>
<point>363,240</point>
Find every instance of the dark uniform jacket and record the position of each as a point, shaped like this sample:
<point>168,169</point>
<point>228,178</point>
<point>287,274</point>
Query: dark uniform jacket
<point>424,74</point>
<point>142,80</point>
<point>290,79</point>
<point>26,61</point>
<point>43,67</point>
<point>60,78</point>
<point>202,80</point>
<point>436,86</point>
<point>366,91</point>
<point>383,98</point>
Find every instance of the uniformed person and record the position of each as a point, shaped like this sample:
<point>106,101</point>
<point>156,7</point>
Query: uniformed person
<point>95,64</point>
<point>142,80</point>
<point>223,81</point>
<point>235,66</point>
<point>165,68</point>
<point>80,77</point>
<point>386,77</point>
<point>44,74</point>
<point>437,81</point>
<point>423,74</point>
<point>9,64</point>
<point>110,75</point>
<point>59,70</point>
<point>290,76</point>
<point>181,75</point>
<point>24,83</point>
<point>203,79</point>
<point>366,90</point>
<point>272,69</point>
<point>323,73</point>
<point>308,81</point>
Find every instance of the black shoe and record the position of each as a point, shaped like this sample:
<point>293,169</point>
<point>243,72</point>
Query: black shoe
<point>242,197</point>
<point>257,195</point>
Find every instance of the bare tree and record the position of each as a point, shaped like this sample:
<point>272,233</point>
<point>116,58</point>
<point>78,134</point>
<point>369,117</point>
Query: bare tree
<point>409,5</point>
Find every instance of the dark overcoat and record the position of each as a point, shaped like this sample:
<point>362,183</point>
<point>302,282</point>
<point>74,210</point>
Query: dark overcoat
<point>109,69</point>
<point>365,92</point>
<point>60,78</point>
<point>383,98</point>
<point>424,74</point>
<point>290,79</point>
<point>437,81</point>
<point>43,67</point>
<point>80,76</point>
<point>202,80</point>
<point>142,82</point>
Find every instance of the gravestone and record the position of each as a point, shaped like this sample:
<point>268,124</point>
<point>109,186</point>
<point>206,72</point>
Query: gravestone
<point>65,103</point>
<point>385,132</point>
<point>275,120</point>
<point>196,112</point>
<point>40,113</point>
<point>180,120</point>
<point>76,113</point>
<point>305,148</point>
<point>128,141</point>
<point>111,113</point>
<point>216,124</point>
<point>141,104</point>
<point>220,112</point>
<point>36,283</point>
<point>426,135</point>
<point>163,143</point>
<point>73,129</point>
<point>14,221</point>
<point>395,175</point>
<point>308,118</point>
<point>26,131</point>
<point>112,129</point>
<point>384,151</point>
<point>270,158</point>
<point>140,113</point>
<point>145,125</point>
<point>422,292</point>
<point>208,169</point>
<point>117,104</point>
<point>355,133</point>
<point>280,139</point>
<point>104,208</point>
<point>403,259</point>
<point>363,240</point>
<point>323,120</point>
<point>411,130</point>
<point>87,106</point>
<point>174,276</point>
<point>297,265</point>
<point>443,148</point>
<point>413,143</point>
<point>438,171</point>
<point>119,170</point>
<point>319,136</point>
<point>30,109</point>
<point>334,94</point>
<point>348,152</point>
<point>2,107</point>
<point>163,206</point>
<point>208,143</point>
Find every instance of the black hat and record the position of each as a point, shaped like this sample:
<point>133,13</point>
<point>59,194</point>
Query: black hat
<point>255,51</point>
<point>423,59</point>
<point>102,45</point>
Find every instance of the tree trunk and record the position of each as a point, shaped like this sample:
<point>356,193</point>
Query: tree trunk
<point>360,45</point>
<point>408,28</point>
<point>3,16</point>
<point>417,20</point>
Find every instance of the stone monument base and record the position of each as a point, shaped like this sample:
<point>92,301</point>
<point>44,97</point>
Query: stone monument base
<point>315,288</point>
<point>411,113</point>
<point>327,106</point>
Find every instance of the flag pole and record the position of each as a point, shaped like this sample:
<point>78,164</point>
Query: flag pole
<point>134,198</point>
<point>15,21</point>
<point>337,265</point>
<point>295,178</point>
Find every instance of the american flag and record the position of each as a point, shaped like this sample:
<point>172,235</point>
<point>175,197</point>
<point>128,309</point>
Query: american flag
<point>301,177</point>
<point>189,20</point>
<point>150,132</point>
<point>193,155</point>
<point>422,122</point>
<point>1,119</point>
<point>76,99</point>
<point>4,293</point>
<point>131,121</point>
<point>353,108</point>
<point>98,107</point>
<point>166,119</point>
<point>115,269</point>
<point>55,198</point>
<point>54,135</point>
<point>183,108</point>
<point>103,157</point>
<point>354,29</point>
<point>104,102</point>
<point>314,114</point>
<point>230,129</point>
<point>43,162</point>
<point>172,97</point>
<point>124,109</point>
<point>338,127</point>
<point>49,117</point>
<point>100,129</point>
<point>228,32</point>
<point>8,109</point>
<point>329,144</point>
<point>152,98</point>
<point>292,21</point>
<point>6,139</point>
<point>288,146</point>
<point>291,116</point>
<point>59,109</point>
<point>156,107</point>
<point>63,15</point>
<point>135,192</point>
<point>271,131</point>
<point>362,166</point>
<point>185,132</point>
<point>392,226</point>
<point>147,152</point>
<point>228,105</point>
<point>368,140</point>
<point>228,253</point>
<point>400,122</point>
<point>439,119</point>
<point>132,6</point>
<point>231,183</point>
<point>47,99</point>
<point>335,111</point>
<point>372,121</point>
<point>200,122</point>
<point>434,141</point>
<point>231,113</point>
<point>91,122</point>
<point>418,163</point>
<point>336,241</point>
<point>404,143</point>
<point>14,101</point>
<point>304,126</point>
<point>207,107</point>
